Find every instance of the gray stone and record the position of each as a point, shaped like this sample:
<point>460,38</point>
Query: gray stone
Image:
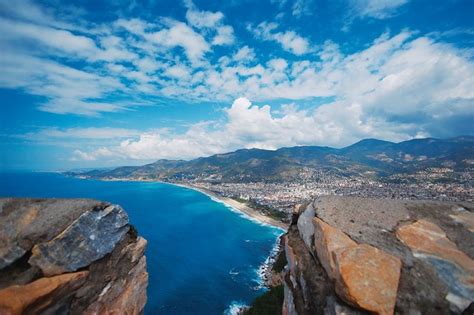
<point>25,222</point>
<point>288,302</point>
<point>68,233</point>
<point>306,226</point>
<point>92,236</point>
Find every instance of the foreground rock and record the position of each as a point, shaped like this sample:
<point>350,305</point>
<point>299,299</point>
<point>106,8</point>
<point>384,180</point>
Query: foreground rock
<point>368,278</point>
<point>71,256</point>
<point>350,255</point>
<point>429,242</point>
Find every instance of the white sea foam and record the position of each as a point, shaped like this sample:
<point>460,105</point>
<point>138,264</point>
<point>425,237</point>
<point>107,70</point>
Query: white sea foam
<point>234,308</point>
<point>268,263</point>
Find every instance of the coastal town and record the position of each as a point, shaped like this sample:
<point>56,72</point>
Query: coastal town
<point>283,196</point>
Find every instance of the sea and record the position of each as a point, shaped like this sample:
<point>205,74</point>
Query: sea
<point>203,256</point>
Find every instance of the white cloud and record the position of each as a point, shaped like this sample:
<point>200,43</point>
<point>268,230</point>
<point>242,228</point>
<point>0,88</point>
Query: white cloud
<point>179,72</point>
<point>406,87</point>
<point>302,7</point>
<point>28,11</point>
<point>398,86</point>
<point>244,54</point>
<point>212,22</point>
<point>289,40</point>
<point>180,34</point>
<point>79,68</point>
<point>67,90</point>
<point>224,36</point>
<point>204,19</point>
<point>82,133</point>
<point>60,40</point>
<point>102,153</point>
<point>378,9</point>
<point>92,138</point>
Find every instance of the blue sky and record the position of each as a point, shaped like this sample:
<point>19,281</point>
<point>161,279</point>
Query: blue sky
<point>106,83</point>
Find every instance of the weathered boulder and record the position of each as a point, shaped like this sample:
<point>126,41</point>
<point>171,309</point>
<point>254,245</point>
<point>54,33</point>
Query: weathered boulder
<point>429,242</point>
<point>329,242</point>
<point>26,222</point>
<point>368,278</point>
<point>56,236</point>
<point>321,241</point>
<point>364,276</point>
<point>90,237</point>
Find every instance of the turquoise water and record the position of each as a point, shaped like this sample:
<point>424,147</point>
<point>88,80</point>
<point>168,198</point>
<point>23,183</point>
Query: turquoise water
<point>202,257</point>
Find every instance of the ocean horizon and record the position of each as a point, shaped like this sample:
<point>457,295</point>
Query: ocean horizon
<point>203,256</point>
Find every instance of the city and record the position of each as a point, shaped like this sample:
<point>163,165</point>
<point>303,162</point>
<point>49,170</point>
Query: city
<point>423,185</point>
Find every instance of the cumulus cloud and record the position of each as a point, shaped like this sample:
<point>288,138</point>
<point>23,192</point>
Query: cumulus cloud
<point>407,86</point>
<point>289,40</point>
<point>398,86</point>
<point>245,125</point>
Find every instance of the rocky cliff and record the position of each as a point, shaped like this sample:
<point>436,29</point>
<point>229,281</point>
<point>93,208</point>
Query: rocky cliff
<point>350,255</point>
<point>69,256</point>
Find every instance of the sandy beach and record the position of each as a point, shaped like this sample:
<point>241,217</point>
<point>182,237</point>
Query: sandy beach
<point>239,207</point>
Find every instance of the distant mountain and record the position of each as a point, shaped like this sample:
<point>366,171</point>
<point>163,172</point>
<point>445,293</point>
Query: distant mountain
<point>369,157</point>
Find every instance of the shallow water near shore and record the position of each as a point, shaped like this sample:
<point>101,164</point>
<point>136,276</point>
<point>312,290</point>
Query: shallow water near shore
<point>202,258</point>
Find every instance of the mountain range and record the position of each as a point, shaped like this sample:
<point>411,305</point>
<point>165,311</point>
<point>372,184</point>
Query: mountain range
<point>369,158</point>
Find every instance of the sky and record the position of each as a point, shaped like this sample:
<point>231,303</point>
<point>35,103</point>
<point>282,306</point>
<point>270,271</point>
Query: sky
<point>88,84</point>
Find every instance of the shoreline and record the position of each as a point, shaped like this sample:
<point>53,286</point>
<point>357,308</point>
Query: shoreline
<point>234,204</point>
<point>241,207</point>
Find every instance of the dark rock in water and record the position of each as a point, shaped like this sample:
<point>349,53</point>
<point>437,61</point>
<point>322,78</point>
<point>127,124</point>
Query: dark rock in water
<point>93,235</point>
<point>42,240</point>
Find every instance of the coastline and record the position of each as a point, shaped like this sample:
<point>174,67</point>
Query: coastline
<point>234,204</point>
<point>264,271</point>
<point>241,207</point>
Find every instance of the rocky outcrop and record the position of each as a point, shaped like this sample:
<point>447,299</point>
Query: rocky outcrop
<point>329,243</point>
<point>428,242</point>
<point>69,256</point>
<point>368,278</point>
<point>350,255</point>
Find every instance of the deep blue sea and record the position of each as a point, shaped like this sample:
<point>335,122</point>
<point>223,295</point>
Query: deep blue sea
<point>203,258</point>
